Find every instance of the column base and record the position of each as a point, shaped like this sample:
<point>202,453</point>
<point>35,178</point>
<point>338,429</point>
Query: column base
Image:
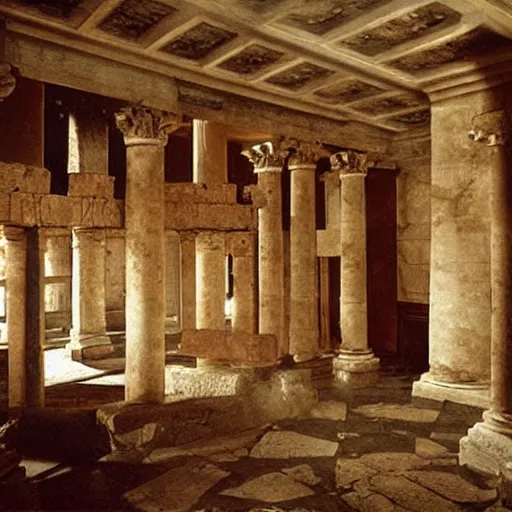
<point>475,394</point>
<point>487,448</point>
<point>356,369</point>
<point>88,346</point>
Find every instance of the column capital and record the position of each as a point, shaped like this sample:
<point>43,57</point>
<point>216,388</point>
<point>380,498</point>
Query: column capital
<point>489,128</point>
<point>88,235</point>
<point>12,233</point>
<point>305,153</point>
<point>187,236</point>
<point>268,156</point>
<point>350,163</point>
<point>7,81</point>
<point>143,125</point>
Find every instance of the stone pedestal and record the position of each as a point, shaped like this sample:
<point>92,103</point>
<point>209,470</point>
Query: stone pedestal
<point>243,315</point>
<point>210,281</point>
<point>188,280</point>
<point>488,445</point>
<point>210,152</point>
<point>145,136</point>
<point>356,365</point>
<point>172,281</point>
<point>88,312</point>
<point>304,332</point>
<point>460,302</point>
<point>16,288</point>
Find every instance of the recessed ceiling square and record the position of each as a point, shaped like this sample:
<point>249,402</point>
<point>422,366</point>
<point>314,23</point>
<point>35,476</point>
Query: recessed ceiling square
<point>347,91</point>
<point>426,20</point>
<point>321,16</point>
<point>250,60</point>
<point>299,76</point>
<point>132,18</point>
<point>57,8</point>
<point>381,106</point>
<point>259,6</point>
<point>419,118</point>
<point>474,45</point>
<point>199,41</point>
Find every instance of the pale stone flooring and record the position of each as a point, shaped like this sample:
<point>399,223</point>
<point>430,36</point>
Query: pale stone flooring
<point>370,450</point>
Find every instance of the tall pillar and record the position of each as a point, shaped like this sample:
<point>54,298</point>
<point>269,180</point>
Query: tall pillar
<point>210,152</point>
<point>356,364</point>
<point>488,445</point>
<point>88,310</point>
<point>172,281</point>
<point>268,160</point>
<point>188,280</point>
<point>460,292</point>
<point>210,281</point>
<point>145,135</point>
<point>242,248</point>
<point>16,288</point>
<point>304,331</point>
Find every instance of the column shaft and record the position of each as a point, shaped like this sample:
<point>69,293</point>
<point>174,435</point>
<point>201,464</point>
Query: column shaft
<point>304,342</point>
<point>172,281</point>
<point>188,280</point>
<point>210,152</point>
<point>211,281</point>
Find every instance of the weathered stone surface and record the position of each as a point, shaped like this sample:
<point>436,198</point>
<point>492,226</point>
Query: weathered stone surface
<point>271,488</point>
<point>430,449</point>
<point>348,471</point>
<point>16,177</point>
<point>234,347</point>
<point>176,490</point>
<point>211,193</point>
<point>86,184</point>
<point>303,473</point>
<point>392,461</point>
<point>330,410</point>
<point>398,412</point>
<point>451,486</point>
<point>288,445</point>
<point>410,495</point>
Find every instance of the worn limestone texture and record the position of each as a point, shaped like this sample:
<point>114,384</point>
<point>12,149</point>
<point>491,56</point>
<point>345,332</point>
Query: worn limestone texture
<point>413,218</point>
<point>211,193</point>
<point>90,184</point>
<point>16,177</point>
<point>115,287</point>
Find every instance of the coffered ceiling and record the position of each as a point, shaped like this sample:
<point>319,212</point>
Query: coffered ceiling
<point>365,60</point>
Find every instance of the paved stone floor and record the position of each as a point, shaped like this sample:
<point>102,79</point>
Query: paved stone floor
<point>368,450</point>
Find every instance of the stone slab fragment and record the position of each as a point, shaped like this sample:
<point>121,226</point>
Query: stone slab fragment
<point>302,473</point>
<point>87,184</point>
<point>392,461</point>
<point>330,410</point>
<point>288,445</point>
<point>429,449</point>
<point>176,490</point>
<point>398,412</point>
<point>348,471</point>
<point>200,193</point>
<point>270,488</point>
<point>15,177</point>
<point>233,347</point>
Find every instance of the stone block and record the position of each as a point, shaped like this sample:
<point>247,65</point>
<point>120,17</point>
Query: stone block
<point>200,193</point>
<point>16,177</point>
<point>87,184</point>
<point>57,211</point>
<point>233,347</point>
<point>5,207</point>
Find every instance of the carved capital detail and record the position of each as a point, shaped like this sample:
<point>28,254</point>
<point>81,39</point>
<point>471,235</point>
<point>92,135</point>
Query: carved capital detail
<point>305,152</point>
<point>7,81</point>
<point>146,123</point>
<point>489,128</point>
<point>269,154</point>
<point>350,163</point>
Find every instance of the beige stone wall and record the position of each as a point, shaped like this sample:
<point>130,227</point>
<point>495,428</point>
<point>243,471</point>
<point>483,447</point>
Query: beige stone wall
<point>413,157</point>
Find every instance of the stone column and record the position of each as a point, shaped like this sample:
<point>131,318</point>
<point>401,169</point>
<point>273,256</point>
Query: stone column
<point>16,292</point>
<point>488,445</point>
<point>356,364</point>
<point>304,331</point>
<point>210,281</point>
<point>188,280</point>
<point>145,135</point>
<point>268,160</point>
<point>210,152</point>
<point>460,292</point>
<point>242,248</point>
<point>172,281</point>
<point>88,312</point>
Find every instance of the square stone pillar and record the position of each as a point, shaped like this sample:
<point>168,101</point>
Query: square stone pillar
<point>188,280</point>
<point>172,281</point>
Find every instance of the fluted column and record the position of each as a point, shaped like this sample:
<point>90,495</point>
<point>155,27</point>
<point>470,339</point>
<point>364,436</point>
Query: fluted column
<point>145,135</point>
<point>210,152</point>
<point>268,160</point>
<point>16,288</point>
<point>356,364</point>
<point>88,311</point>
<point>188,280</point>
<point>242,248</point>
<point>210,280</point>
<point>488,445</point>
<point>304,331</point>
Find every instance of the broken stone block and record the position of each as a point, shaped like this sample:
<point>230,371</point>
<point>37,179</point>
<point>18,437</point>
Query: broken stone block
<point>348,471</point>
<point>398,412</point>
<point>330,410</point>
<point>270,488</point>
<point>16,177</point>
<point>178,489</point>
<point>392,461</point>
<point>430,449</point>
<point>451,486</point>
<point>302,473</point>
<point>86,184</point>
<point>288,445</point>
